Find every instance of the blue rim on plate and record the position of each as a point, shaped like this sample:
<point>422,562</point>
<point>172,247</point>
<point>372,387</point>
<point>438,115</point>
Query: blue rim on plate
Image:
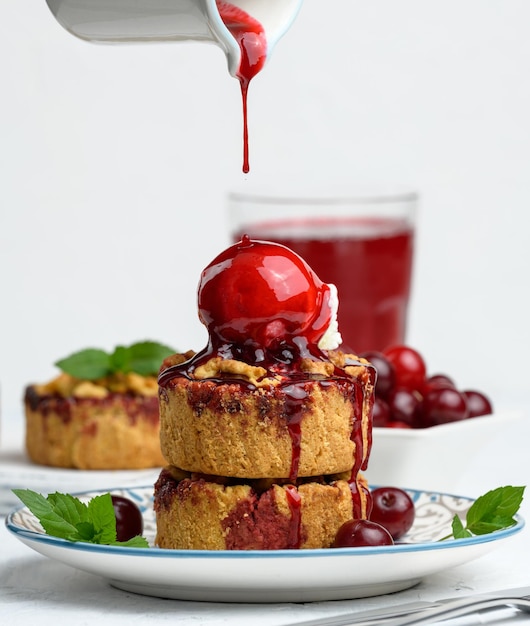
<point>408,544</point>
<point>271,575</point>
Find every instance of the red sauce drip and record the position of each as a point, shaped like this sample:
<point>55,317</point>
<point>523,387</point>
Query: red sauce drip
<point>362,451</point>
<point>295,395</point>
<point>250,35</point>
<point>294,501</point>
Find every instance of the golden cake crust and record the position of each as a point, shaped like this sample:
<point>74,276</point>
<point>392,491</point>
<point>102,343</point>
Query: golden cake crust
<point>92,430</point>
<point>197,513</point>
<point>248,427</point>
<point>229,430</point>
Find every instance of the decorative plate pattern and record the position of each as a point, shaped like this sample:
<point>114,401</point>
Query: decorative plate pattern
<point>276,575</point>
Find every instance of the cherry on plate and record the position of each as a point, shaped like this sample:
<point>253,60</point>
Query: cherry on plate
<point>129,521</point>
<point>393,509</point>
<point>360,532</point>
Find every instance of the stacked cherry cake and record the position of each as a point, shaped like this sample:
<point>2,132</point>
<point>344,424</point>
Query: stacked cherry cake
<point>266,430</point>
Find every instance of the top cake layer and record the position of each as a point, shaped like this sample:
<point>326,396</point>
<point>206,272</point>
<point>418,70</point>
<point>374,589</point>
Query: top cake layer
<point>225,417</point>
<point>269,396</point>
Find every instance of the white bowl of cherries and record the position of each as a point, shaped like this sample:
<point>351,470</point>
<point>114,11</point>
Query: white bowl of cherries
<point>425,429</point>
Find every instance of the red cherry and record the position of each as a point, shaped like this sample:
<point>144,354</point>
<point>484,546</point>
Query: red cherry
<point>360,532</point>
<point>437,381</point>
<point>262,293</point>
<point>129,521</point>
<point>404,406</point>
<point>386,376</point>
<point>393,508</point>
<point>409,367</point>
<point>477,403</point>
<point>380,413</point>
<point>397,424</point>
<point>441,406</point>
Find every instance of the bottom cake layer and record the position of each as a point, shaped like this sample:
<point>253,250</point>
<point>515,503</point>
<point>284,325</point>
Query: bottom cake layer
<point>199,512</point>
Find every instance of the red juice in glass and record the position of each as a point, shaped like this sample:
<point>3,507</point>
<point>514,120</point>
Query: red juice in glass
<point>368,258</point>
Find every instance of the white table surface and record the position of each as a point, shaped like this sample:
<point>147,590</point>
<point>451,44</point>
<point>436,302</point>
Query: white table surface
<point>37,590</point>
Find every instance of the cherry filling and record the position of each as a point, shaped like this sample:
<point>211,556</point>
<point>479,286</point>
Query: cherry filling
<point>135,407</point>
<point>254,522</point>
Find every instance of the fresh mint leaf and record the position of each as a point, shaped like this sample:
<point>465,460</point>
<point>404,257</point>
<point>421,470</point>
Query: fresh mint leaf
<point>86,532</point>
<point>101,514</point>
<point>119,360</point>
<point>135,542</point>
<point>36,503</point>
<point>88,364</point>
<point>459,532</point>
<point>71,509</point>
<point>495,510</point>
<point>57,521</point>
<point>65,516</point>
<point>144,358</point>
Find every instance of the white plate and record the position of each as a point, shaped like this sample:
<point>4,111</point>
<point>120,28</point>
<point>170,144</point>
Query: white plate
<point>17,472</point>
<point>276,575</point>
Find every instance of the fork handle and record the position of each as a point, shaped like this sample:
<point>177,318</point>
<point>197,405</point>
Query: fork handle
<point>459,608</point>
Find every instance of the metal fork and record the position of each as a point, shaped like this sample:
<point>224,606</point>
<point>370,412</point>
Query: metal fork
<point>460,608</point>
<point>445,609</point>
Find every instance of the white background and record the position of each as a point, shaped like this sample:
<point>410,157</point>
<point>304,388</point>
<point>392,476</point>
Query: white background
<point>115,162</point>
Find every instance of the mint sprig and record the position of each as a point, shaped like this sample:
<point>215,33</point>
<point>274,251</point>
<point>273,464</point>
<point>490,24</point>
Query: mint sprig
<point>65,516</point>
<point>493,511</point>
<point>143,358</point>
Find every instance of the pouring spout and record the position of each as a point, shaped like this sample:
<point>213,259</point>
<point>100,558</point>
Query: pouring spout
<point>274,16</point>
<point>151,21</point>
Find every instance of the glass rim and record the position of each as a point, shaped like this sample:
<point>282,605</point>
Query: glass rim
<point>360,195</point>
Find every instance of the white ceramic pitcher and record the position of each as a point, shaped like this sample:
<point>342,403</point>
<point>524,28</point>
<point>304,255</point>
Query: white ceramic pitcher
<point>132,21</point>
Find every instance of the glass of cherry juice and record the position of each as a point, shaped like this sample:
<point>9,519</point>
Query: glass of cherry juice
<point>361,241</point>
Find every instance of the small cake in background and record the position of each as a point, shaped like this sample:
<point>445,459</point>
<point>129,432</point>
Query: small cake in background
<point>100,413</point>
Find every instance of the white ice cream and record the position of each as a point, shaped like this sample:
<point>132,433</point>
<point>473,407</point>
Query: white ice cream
<point>332,339</point>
